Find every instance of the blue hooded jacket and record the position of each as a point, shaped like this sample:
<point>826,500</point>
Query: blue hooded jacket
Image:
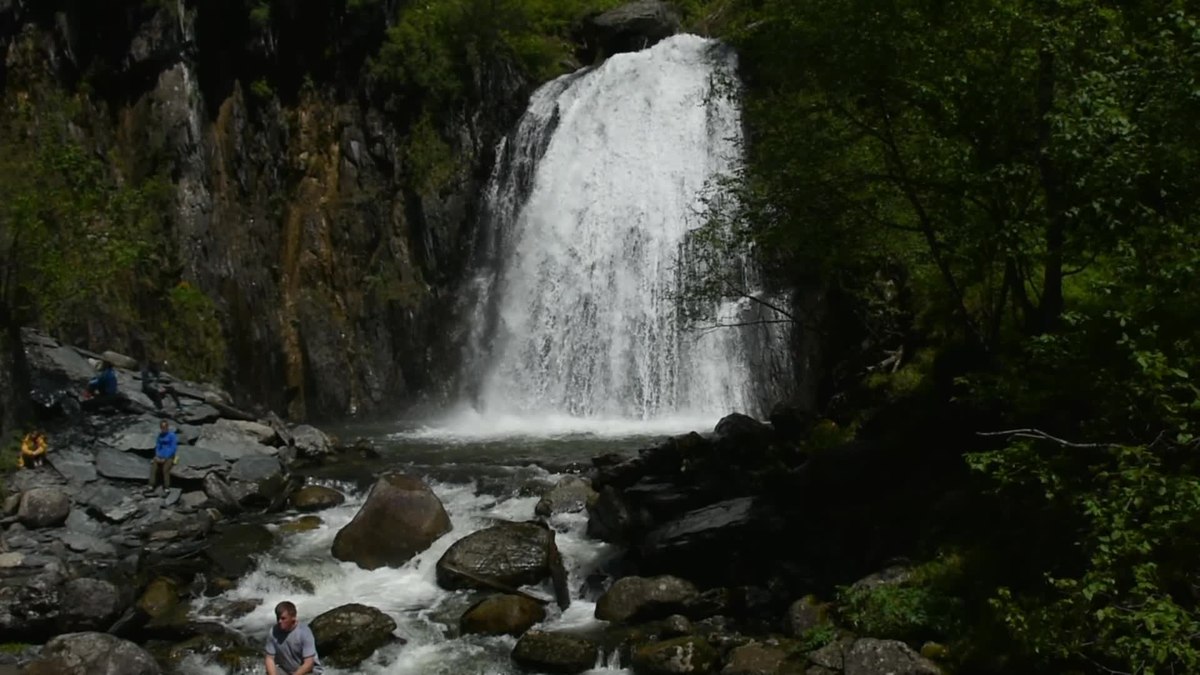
<point>166,445</point>
<point>105,383</point>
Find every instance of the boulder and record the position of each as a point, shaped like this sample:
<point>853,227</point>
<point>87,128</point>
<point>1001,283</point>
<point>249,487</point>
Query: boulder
<point>220,494</point>
<point>159,598</point>
<point>93,654</point>
<point>628,28</point>
<point>501,615</point>
<point>688,654</point>
<point>29,607</point>
<point>348,634</point>
<point>636,599</point>
<point>760,659</point>
<point>806,614</point>
<point>403,507</point>
<point>509,554</point>
<point>119,360</point>
<point>316,498</point>
<point>88,605</point>
<point>43,507</point>
<point>234,550</point>
<point>310,442</point>
<point>569,495</point>
<point>554,652</point>
<point>869,656</point>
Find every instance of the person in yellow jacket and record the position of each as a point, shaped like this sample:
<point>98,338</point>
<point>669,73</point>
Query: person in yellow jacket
<point>33,449</point>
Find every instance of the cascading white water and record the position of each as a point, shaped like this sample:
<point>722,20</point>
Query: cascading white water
<point>588,209</point>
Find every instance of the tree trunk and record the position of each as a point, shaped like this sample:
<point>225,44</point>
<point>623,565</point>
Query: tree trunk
<point>1053,188</point>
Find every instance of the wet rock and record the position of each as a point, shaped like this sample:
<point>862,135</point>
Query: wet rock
<point>316,498</point>
<point>349,634</point>
<point>159,598</point>
<point>869,656</point>
<point>109,502</point>
<point>501,615</point>
<point>43,507</point>
<point>407,510</point>
<point>611,518</point>
<point>689,654</point>
<point>555,652</point>
<point>833,655</point>
<point>234,550</point>
<point>119,360</point>
<point>93,654</point>
<point>301,524</point>
<point>511,554</point>
<point>629,28</point>
<point>572,494</point>
<point>644,599</point>
<point>88,605</point>
<point>690,544</point>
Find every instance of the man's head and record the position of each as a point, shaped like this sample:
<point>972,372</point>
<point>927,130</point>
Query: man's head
<point>163,426</point>
<point>285,615</point>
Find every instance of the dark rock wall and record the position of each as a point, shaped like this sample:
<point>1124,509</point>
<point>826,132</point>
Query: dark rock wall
<point>334,277</point>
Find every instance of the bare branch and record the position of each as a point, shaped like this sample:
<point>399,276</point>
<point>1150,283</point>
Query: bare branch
<point>1037,434</point>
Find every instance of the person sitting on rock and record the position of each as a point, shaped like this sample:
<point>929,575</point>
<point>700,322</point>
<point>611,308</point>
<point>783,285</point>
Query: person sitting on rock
<point>33,449</point>
<point>166,455</point>
<point>101,391</point>
<point>152,386</point>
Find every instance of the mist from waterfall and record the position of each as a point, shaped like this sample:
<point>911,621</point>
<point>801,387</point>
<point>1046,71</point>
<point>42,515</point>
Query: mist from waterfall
<point>578,322</point>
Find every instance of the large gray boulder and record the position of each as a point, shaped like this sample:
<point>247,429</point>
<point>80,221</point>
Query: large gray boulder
<point>508,554</point>
<point>30,606</point>
<point>348,634</point>
<point>570,495</point>
<point>554,652</point>
<point>88,605</point>
<point>688,654</point>
<point>629,28</point>
<point>645,599</point>
<point>404,508</point>
<point>43,507</point>
<point>93,654</point>
<point>869,656</point>
<point>502,614</point>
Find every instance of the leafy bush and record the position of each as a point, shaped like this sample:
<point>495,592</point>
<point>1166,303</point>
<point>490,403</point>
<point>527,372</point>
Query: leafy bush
<point>924,606</point>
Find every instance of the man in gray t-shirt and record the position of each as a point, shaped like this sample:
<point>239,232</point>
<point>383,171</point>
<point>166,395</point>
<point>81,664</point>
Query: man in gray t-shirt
<point>291,648</point>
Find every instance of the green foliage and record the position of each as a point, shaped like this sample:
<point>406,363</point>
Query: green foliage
<point>71,234</point>
<point>189,332</point>
<point>429,161</point>
<point>818,636</point>
<point>260,14</point>
<point>261,89</point>
<point>1127,603</point>
<point>433,50</point>
<point>924,606</point>
<point>1022,173</point>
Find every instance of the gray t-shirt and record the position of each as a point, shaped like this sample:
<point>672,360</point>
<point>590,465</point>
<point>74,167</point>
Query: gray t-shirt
<point>291,648</point>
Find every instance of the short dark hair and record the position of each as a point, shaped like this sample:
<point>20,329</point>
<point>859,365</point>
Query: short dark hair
<point>285,607</point>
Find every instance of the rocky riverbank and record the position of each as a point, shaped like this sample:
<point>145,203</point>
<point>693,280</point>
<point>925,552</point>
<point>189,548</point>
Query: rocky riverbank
<point>733,544</point>
<point>88,547</point>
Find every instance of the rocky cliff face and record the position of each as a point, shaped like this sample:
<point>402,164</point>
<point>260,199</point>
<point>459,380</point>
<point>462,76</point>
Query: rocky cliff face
<point>291,207</point>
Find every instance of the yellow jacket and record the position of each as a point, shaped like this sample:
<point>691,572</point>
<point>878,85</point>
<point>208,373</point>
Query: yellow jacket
<point>32,446</point>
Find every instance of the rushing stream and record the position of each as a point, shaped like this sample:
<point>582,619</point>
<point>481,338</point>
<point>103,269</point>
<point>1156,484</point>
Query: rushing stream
<point>578,349</point>
<point>479,481</point>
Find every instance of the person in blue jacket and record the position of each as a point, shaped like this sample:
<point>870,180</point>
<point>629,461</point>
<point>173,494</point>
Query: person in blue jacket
<point>102,391</point>
<point>166,455</point>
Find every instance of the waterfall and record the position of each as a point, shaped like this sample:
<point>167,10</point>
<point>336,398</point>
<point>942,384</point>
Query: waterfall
<point>585,217</point>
